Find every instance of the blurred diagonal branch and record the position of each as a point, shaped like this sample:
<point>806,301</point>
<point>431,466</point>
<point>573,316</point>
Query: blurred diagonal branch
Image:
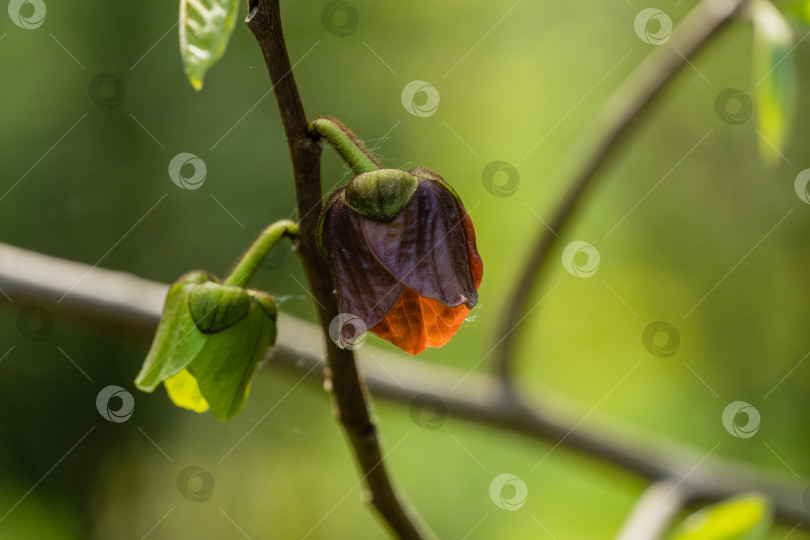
<point>114,300</point>
<point>264,20</point>
<point>618,119</point>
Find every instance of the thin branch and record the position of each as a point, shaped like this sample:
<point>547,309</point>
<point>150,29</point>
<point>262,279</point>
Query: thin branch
<point>264,20</point>
<point>119,301</point>
<point>619,118</point>
<point>654,511</point>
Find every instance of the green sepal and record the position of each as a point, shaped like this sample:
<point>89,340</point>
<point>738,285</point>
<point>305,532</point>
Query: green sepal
<point>177,340</point>
<point>381,194</point>
<point>215,307</point>
<point>266,302</point>
<point>225,366</point>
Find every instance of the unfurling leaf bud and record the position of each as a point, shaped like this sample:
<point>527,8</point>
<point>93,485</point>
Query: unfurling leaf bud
<point>208,343</point>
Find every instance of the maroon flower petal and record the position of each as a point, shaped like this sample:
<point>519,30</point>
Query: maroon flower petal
<point>476,265</point>
<point>364,287</point>
<point>425,246</point>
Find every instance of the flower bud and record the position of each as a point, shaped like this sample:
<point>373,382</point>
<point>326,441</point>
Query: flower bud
<point>403,256</point>
<point>208,343</point>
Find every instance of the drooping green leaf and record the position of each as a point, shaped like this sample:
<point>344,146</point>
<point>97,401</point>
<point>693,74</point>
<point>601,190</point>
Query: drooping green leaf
<point>224,368</point>
<point>177,340</point>
<point>800,9</point>
<point>774,77</point>
<point>744,517</point>
<point>205,28</point>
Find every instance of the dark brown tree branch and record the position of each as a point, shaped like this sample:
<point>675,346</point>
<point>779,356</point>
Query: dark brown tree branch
<point>114,300</point>
<point>619,118</point>
<point>264,20</point>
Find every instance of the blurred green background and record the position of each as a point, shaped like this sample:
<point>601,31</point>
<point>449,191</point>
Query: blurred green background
<point>541,73</point>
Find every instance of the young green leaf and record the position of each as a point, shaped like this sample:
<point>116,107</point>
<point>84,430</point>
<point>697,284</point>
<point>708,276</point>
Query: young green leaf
<point>743,517</point>
<point>797,8</point>
<point>205,28</point>
<point>774,77</point>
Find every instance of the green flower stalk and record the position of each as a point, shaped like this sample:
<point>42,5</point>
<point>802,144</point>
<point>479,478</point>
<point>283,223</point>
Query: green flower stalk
<point>345,143</point>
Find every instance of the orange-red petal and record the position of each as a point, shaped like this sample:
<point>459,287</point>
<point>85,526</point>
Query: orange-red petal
<point>415,322</point>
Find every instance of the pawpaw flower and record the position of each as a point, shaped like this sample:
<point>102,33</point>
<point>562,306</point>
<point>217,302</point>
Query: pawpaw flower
<point>403,257</point>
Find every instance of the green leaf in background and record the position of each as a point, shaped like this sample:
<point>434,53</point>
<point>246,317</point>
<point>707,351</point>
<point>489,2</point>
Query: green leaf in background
<point>744,517</point>
<point>797,8</point>
<point>205,28</point>
<point>774,77</point>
